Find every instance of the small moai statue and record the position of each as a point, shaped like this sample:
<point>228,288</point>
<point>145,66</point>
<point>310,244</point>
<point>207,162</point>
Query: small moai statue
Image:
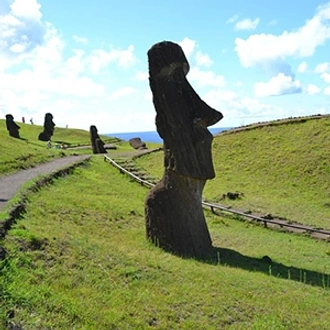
<point>174,214</point>
<point>12,127</point>
<point>48,131</point>
<point>96,141</point>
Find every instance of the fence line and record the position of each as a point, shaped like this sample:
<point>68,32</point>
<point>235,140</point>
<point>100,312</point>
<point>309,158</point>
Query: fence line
<point>225,209</point>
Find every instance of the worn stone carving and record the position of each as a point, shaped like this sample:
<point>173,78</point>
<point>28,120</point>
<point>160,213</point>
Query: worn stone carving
<point>48,131</point>
<point>97,143</point>
<point>174,214</point>
<point>12,127</point>
<point>136,143</point>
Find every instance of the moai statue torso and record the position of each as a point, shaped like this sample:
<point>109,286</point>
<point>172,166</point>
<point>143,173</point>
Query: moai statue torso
<point>96,142</point>
<point>12,127</point>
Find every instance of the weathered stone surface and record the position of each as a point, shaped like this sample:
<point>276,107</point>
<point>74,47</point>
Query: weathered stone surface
<point>174,214</point>
<point>136,143</point>
<point>48,131</point>
<point>12,127</point>
<point>96,141</point>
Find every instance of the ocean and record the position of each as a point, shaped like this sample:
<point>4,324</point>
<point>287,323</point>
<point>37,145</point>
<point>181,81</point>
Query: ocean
<point>152,136</point>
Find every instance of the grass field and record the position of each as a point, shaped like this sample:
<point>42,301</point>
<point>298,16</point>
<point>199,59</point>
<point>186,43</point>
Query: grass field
<point>78,259</point>
<point>282,170</point>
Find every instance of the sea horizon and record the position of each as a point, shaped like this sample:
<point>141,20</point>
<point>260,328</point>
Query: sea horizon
<point>153,136</point>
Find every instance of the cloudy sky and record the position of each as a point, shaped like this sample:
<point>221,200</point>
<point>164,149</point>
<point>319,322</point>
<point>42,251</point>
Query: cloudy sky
<point>86,61</point>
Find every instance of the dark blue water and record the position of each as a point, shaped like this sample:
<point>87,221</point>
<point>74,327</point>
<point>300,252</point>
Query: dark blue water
<point>153,136</point>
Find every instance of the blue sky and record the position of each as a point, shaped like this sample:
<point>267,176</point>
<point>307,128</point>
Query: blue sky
<point>86,61</point>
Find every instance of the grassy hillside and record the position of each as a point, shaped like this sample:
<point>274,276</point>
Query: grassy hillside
<point>282,169</point>
<point>78,259</point>
<point>28,151</point>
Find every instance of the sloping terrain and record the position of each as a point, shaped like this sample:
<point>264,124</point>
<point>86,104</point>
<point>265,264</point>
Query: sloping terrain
<point>16,154</point>
<point>78,257</point>
<point>281,169</point>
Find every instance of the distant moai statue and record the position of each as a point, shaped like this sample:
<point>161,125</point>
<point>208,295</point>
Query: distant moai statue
<point>48,131</point>
<point>136,143</point>
<point>97,143</point>
<point>12,127</point>
<point>174,214</point>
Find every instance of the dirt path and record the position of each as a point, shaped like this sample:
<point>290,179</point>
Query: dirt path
<point>10,184</point>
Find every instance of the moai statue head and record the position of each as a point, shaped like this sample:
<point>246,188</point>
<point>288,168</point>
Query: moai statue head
<point>12,127</point>
<point>49,124</point>
<point>48,131</point>
<point>182,117</point>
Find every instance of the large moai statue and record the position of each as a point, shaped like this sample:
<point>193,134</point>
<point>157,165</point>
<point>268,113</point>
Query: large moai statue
<point>48,131</point>
<point>97,143</point>
<point>174,214</point>
<point>12,127</point>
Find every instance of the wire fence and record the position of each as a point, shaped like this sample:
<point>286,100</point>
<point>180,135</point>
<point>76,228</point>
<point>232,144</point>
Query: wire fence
<point>213,207</point>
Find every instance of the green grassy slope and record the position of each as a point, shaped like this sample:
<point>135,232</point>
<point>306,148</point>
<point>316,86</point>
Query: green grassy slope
<point>78,259</point>
<point>282,169</point>
<point>16,154</point>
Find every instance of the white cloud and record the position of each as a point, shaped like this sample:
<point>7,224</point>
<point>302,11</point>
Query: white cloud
<point>99,58</point>
<point>327,91</point>
<point>123,92</point>
<point>326,77</point>
<point>272,22</point>
<point>260,49</point>
<point>281,84</point>
<point>203,59</point>
<point>322,67</point>
<point>247,24</point>
<point>142,76</point>
<point>188,46</point>
<point>29,9</point>
<point>302,67</point>
<point>20,30</point>
<point>40,76</point>
<point>220,95</point>
<point>148,95</point>
<point>126,58</point>
<point>18,48</point>
<point>312,89</point>
<point>80,40</point>
<point>232,19</point>
<point>205,78</point>
<point>244,109</point>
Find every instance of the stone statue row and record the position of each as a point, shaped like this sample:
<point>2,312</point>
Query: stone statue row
<point>45,135</point>
<point>48,131</point>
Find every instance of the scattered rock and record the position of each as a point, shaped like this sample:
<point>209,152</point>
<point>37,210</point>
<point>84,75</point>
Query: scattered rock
<point>136,143</point>
<point>268,217</point>
<point>232,196</point>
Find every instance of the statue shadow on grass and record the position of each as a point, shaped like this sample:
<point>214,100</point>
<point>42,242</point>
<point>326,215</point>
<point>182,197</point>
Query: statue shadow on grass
<point>232,258</point>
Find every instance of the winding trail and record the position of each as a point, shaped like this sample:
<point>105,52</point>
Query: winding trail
<point>10,184</point>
